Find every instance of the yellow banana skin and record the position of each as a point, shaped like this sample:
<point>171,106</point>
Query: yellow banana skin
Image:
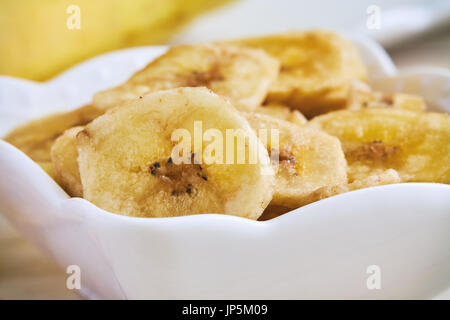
<point>41,38</point>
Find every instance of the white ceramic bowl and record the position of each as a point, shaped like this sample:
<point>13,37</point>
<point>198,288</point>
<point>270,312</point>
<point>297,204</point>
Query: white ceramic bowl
<point>322,250</point>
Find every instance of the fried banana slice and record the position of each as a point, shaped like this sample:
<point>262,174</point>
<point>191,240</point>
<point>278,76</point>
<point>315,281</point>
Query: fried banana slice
<point>361,96</point>
<point>371,179</point>
<point>307,159</point>
<point>375,178</point>
<point>129,158</point>
<point>242,75</point>
<point>317,68</point>
<point>282,112</point>
<point>415,144</point>
<point>36,137</point>
<point>64,157</point>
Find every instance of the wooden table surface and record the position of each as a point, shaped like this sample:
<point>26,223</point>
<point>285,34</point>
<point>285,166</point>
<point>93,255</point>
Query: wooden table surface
<point>25,273</point>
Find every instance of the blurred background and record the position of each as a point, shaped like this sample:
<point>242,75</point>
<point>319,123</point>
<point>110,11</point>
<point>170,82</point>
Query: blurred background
<point>39,39</point>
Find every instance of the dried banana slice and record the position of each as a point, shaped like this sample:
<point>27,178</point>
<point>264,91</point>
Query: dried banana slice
<point>36,137</point>
<point>307,159</point>
<point>375,178</point>
<point>362,96</point>
<point>372,179</point>
<point>415,144</point>
<point>282,112</point>
<point>317,68</point>
<point>243,75</point>
<point>128,158</point>
<point>64,157</point>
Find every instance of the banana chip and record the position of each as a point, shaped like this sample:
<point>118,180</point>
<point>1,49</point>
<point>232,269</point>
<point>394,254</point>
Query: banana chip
<point>243,75</point>
<point>36,137</point>
<point>307,160</point>
<point>127,163</point>
<point>317,68</point>
<point>282,112</point>
<point>64,157</point>
<point>416,145</point>
<point>371,179</point>
<point>362,96</point>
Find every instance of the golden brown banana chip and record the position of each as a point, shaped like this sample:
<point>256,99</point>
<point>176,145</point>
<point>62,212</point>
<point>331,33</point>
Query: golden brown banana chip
<point>308,159</point>
<point>243,75</point>
<point>408,101</point>
<point>36,137</point>
<point>64,157</point>
<point>370,179</point>
<point>282,112</point>
<point>317,68</point>
<point>361,96</point>
<point>375,178</point>
<point>415,144</point>
<point>128,158</point>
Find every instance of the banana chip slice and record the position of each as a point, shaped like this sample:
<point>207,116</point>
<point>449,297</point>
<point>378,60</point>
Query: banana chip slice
<point>362,96</point>
<point>36,137</point>
<point>307,159</point>
<point>374,178</point>
<point>282,112</point>
<point>317,68</point>
<point>129,158</point>
<point>415,144</point>
<point>64,157</point>
<point>243,75</point>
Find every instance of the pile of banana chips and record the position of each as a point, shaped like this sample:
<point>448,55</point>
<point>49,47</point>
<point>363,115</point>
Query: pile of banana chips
<point>250,127</point>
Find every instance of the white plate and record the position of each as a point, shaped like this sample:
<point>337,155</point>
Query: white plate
<point>322,250</point>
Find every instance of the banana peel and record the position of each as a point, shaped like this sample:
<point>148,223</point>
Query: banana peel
<point>39,40</point>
